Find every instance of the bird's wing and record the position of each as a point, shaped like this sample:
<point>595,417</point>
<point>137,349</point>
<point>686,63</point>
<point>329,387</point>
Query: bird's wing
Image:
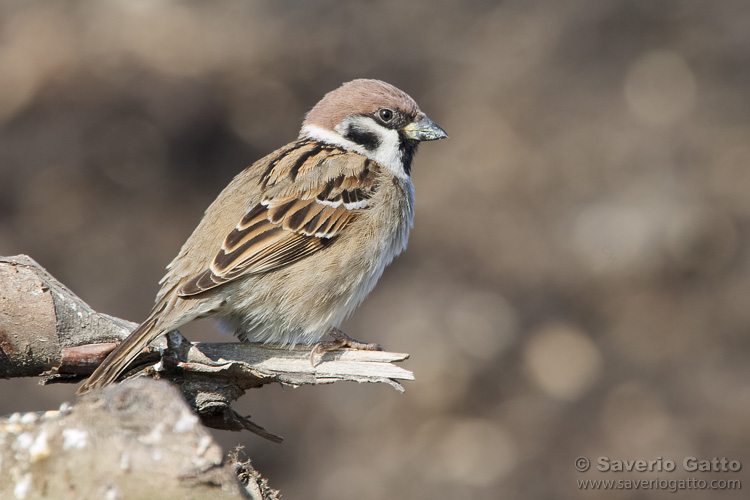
<point>309,196</point>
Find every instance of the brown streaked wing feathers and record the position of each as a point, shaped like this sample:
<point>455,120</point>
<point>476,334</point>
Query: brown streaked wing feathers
<point>292,222</point>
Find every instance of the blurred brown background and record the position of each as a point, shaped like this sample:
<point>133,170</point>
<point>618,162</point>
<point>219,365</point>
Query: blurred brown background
<point>577,281</point>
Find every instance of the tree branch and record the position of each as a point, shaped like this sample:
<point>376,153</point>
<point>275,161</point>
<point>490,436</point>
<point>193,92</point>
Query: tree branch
<point>133,440</point>
<point>46,330</point>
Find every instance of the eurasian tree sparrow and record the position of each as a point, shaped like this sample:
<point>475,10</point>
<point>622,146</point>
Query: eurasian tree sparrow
<point>297,240</point>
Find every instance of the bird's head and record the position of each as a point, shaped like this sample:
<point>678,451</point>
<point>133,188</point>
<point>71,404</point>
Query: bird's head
<point>372,118</point>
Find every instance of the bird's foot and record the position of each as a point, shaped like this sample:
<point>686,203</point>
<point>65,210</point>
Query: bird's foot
<point>340,339</point>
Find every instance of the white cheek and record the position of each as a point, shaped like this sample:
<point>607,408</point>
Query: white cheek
<point>388,153</point>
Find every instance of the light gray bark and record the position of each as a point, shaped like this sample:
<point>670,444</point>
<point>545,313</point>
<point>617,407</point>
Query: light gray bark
<point>135,440</point>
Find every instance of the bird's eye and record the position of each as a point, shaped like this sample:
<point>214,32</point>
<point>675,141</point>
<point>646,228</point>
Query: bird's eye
<point>385,114</point>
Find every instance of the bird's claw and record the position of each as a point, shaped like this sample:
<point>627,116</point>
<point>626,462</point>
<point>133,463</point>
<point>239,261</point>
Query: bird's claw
<point>340,340</point>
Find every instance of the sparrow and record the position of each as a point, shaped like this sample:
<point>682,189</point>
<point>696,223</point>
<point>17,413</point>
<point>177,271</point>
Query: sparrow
<point>297,240</point>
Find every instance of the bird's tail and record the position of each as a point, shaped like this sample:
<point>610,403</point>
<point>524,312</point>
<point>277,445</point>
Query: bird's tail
<point>119,359</point>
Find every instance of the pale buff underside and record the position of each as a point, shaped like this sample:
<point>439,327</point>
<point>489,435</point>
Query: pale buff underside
<point>298,303</point>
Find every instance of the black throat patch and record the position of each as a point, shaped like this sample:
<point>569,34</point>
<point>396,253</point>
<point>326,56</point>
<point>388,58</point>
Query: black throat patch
<point>408,149</point>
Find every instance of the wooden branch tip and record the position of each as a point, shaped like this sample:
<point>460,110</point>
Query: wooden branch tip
<point>46,330</point>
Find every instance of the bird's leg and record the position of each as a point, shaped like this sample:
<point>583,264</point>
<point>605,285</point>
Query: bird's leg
<point>340,339</point>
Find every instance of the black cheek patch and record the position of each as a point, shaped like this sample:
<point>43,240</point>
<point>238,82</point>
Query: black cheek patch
<point>369,140</point>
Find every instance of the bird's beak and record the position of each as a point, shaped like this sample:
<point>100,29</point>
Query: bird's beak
<point>424,129</point>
